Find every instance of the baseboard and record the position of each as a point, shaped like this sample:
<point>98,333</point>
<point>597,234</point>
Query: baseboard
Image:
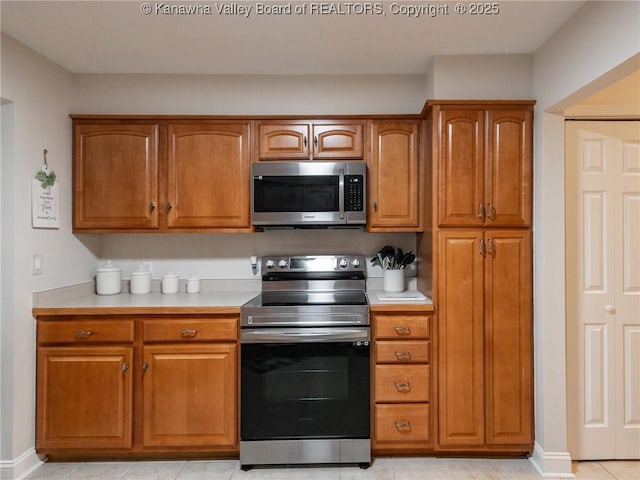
<point>551,464</point>
<point>21,467</point>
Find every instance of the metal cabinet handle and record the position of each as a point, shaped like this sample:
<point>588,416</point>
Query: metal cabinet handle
<point>481,211</point>
<point>375,206</point>
<point>145,367</point>
<point>403,387</point>
<point>83,333</point>
<point>189,333</point>
<point>403,330</point>
<point>491,212</point>
<point>125,367</point>
<point>483,248</point>
<point>169,207</point>
<point>315,141</point>
<point>152,206</point>
<point>403,355</point>
<point>304,141</point>
<point>491,247</point>
<point>403,427</point>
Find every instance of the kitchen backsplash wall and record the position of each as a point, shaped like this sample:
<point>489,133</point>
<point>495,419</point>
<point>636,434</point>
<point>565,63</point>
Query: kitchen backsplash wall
<point>228,255</point>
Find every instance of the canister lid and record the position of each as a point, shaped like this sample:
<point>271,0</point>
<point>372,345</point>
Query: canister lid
<point>108,266</point>
<point>142,271</point>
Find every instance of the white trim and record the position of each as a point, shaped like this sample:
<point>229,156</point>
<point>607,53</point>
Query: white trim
<point>21,467</point>
<point>603,111</point>
<point>551,464</point>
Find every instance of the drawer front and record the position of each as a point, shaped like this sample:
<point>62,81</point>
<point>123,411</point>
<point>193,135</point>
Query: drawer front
<point>403,423</point>
<point>190,330</point>
<point>402,383</point>
<point>401,326</point>
<point>412,351</point>
<point>86,331</point>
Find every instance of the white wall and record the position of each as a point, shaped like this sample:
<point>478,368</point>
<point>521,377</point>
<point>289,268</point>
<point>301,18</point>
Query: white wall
<point>40,94</point>
<point>248,95</point>
<point>592,45</point>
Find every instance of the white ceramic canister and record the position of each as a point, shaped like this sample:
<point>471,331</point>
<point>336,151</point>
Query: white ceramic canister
<point>108,279</point>
<point>140,281</point>
<point>170,283</point>
<point>393,280</point>
<point>193,285</point>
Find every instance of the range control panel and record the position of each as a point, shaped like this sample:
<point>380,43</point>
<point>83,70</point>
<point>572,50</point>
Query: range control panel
<point>314,263</point>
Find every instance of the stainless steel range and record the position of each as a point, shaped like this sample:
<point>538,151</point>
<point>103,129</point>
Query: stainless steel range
<point>305,364</point>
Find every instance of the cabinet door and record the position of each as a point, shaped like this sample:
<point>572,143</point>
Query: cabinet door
<point>283,141</point>
<point>84,398</point>
<point>460,339</point>
<point>508,182</point>
<point>115,176</point>
<point>207,415</point>
<point>508,337</point>
<point>208,176</point>
<point>394,177</point>
<point>338,141</point>
<point>461,167</point>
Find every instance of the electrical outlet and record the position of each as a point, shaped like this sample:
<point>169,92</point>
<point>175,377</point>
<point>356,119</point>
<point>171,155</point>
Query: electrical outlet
<point>36,268</point>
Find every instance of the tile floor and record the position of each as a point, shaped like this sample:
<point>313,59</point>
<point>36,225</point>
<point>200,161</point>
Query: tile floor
<point>386,468</point>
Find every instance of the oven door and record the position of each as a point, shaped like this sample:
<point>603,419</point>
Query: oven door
<point>305,383</point>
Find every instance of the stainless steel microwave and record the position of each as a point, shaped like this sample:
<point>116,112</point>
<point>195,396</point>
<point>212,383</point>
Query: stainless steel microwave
<point>308,194</point>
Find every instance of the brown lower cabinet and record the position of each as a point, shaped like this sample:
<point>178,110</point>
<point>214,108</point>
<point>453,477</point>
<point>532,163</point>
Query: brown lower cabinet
<point>402,381</point>
<point>135,385</point>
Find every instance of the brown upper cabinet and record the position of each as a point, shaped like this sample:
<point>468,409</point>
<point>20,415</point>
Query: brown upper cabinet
<point>395,177</point>
<point>484,157</point>
<point>115,176</point>
<point>162,175</point>
<point>310,140</point>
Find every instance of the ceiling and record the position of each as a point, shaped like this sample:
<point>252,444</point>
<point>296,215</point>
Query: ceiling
<point>115,37</point>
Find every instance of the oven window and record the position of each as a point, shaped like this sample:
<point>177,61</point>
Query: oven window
<point>317,193</point>
<point>292,391</point>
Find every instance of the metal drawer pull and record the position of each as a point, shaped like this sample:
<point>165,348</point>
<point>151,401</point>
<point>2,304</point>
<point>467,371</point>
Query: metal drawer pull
<point>189,333</point>
<point>481,211</point>
<point>403,355</point>
<point>492,212</point>
<point>83,333</point>
<point>491,248</point>
<point>403,387</point>
<point>145,367</point>
<point>125,367</point>
<point>403,330</point>
<point>483,249</point>
<point>403,427</point>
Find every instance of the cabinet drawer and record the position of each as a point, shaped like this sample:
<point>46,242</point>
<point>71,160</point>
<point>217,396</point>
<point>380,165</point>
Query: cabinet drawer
<point>412,351</point>
<point>187,329</point>
<point>402,383</point>
<point>86,331</point>
<point>403,423</point>
<point>401,326</point>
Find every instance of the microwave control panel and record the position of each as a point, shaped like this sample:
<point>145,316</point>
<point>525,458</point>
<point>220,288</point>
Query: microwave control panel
<point>354,193</point>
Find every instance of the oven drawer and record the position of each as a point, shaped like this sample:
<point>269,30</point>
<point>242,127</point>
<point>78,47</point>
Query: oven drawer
<point>402,383</point>
<point>188,329</point>
<point>412,351</point>
<point>401,326</point>
<point>403,423</point>
<point>85,331</point>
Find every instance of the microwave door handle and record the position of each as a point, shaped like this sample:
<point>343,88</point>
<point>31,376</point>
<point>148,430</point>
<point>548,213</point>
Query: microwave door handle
<point>341,193</point>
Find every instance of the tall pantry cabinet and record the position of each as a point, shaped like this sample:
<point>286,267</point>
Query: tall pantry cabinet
<point>482,245</point>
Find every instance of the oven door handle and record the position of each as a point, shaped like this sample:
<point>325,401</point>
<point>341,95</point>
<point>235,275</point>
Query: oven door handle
<point>304,335</point>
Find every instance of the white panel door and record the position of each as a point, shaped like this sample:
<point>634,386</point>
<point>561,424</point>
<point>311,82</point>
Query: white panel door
<point>603,289</point>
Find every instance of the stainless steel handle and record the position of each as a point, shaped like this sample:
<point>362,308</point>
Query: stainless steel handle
<point>341,193</point>
<point>169,207</point>
<point>491,212</point>
<point>483,248</point>
<point>125,367</point>
<point>403,330</point>
<point>83,333</point>
<point>189,333</point>
<point>403,355</point>
<point>303,335</point>
<point>403,387</point>
<point>481,211</point>
<point>403,427</point>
